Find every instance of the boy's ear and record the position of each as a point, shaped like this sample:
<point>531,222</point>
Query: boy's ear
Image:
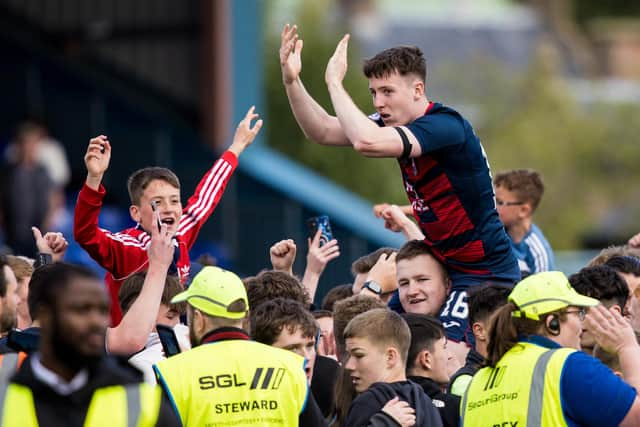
<point>392,357</point>
<point>526,210</point>
<point>134,211</point>
<point>418,89</point>
<point>199,322</point>
<point>425,360</point>
<point>479,331</point>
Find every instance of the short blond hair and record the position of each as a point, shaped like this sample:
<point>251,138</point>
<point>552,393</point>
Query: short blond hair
<point>344,311</point>
<point>21,265</point>
<point>382,327</point>
<point>613,251</point>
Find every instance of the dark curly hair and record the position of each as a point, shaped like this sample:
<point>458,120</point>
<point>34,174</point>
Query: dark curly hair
<point>270,318</point>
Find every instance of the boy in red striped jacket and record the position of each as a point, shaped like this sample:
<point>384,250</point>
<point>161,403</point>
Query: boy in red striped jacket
<point>125,253</point>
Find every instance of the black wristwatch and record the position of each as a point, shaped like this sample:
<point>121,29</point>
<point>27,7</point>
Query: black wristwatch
<point>373,286</point>
<point>42,259</point>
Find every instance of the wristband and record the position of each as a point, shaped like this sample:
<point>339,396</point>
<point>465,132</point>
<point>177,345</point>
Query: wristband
<point>373,286</point>
<point>42,259</point>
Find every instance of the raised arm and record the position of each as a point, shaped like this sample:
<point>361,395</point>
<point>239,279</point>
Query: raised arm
<point>211,187</point>
<point>97,160</point>
<point>366,136</point>
<point>380,207</point>
<point>51,247</point>
<point>314,121</point>
<point>108,249</point>
<point>283,255</point>
<point>615,335</point>
<point>396,220</point>
<point>133,331</point>
<point>317,259</point>
<point>246,132</point>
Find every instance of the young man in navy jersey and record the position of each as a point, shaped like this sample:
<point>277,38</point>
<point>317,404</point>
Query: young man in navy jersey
<point>443,165</point>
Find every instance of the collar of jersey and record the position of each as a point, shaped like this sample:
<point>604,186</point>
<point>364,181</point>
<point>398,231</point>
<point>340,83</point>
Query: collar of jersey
<point>224,334</point>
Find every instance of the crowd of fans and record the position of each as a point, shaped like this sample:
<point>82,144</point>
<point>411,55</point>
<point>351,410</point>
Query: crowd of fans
<point>465,324</point>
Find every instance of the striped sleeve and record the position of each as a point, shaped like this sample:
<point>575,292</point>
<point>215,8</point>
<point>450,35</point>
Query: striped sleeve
<point>206,197</point>
<point>118,253</point>
<point>540,252</point>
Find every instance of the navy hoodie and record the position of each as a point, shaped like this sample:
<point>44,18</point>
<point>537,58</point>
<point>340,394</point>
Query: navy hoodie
<point>366,409</point>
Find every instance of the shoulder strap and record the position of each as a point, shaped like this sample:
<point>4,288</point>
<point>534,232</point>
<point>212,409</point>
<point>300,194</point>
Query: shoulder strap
<point>534,415</point>
<point>8,366</point>
<point>133,404</point>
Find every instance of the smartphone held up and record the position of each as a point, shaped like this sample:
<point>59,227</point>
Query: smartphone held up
<point>154,208</point>
<point>321,223</point>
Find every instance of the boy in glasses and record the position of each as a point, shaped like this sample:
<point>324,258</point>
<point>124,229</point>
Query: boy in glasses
<point>518,193</point>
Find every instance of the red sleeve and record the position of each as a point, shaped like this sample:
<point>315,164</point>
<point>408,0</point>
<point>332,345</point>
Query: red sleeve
<point>119,253</point>
<point>206,197</point>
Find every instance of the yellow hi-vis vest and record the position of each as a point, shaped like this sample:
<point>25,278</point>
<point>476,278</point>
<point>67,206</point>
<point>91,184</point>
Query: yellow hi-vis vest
<point>134,405</point>
<point>523,390</point>
<point>235,382</point>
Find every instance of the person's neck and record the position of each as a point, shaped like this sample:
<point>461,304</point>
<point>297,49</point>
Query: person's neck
<point>55,365</point>
<point>418,372</point>
<point>396,375</point>
<point>481,347</point>
<point>518,231</point>
<point>421,108</point>
<point>588,350</point>
<point>24,321</point>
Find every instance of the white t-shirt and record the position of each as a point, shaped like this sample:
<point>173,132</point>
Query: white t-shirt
<point>153,352</point>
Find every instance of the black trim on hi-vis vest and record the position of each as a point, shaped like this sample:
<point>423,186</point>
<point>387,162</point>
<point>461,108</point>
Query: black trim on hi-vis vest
<point>256,378</point>
<point>495,378</point>
<point>267,378</point>
<point>272,378</point>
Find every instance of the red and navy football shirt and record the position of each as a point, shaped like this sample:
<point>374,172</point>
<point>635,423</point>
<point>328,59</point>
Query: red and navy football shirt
<point>449,187</point>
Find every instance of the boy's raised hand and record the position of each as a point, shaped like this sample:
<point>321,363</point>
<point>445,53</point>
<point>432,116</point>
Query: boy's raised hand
<point>318,256</point>
<point>97,160</point>
<point>245,132</point>
<point>161,247</point>
<point>634,241</point>
<point>283,254</point>
<point>611,331</point>
<point>52,243</point>
<point>384,272</point>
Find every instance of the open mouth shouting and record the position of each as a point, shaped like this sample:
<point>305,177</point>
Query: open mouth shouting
<point>168,221</point>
